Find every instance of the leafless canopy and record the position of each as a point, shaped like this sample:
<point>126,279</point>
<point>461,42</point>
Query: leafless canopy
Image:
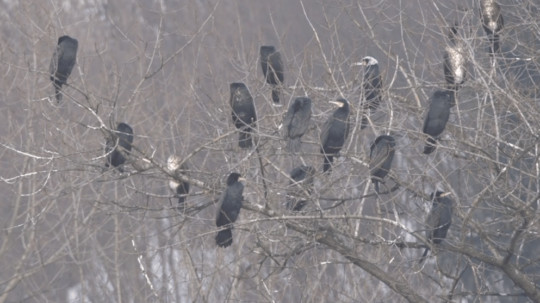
<point>76,231</point>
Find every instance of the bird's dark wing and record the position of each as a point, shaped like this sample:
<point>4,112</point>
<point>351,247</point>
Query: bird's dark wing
<point>222,198</point>
<point>297,174</point>
<point>426,121</point>
<point>445,219</point>
<point>377,87</point>
<point>433,220</point>
<point>373,83</point>
<point>66,58</point>
<point>325,130</point>
<point>241,118</point>
<point>379,155</point>
<point>347,127</point>
<point>231,203</point>
<point>441,230</point>
<point>125,140</point>
<point>264,65</point>
<point>221,218</point>
<point>277,65</point>
<point>442,112</point>
<point>288,122</point>
<point>251,112</point>
<point>53,66</point>
<point>300,122</point>
<point>310,175</point>
<point>235,118</point>
<point>68,67</point>
<point>109,146</point>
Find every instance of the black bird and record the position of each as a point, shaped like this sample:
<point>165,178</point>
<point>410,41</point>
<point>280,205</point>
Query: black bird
<point>62,63</point>
<point>437,117</point>
<point>230,204</point>
<point>303,181</point>
<point>381,157</point>
<point>492,22</point>
<point>123,138</point>
<point>454,62</point>
<point>372,85</point>
<point>439,219</point>
<point>272,68</point>
<point>296,122</point>
<point>334,132</point>
<point>243,113</point>
<point>178,187</point>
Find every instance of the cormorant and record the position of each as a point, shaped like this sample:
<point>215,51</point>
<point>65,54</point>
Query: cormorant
<point>437,117</point>
<point>303,181</point>
<point>272,68</point>
<point>381,157</point>
<point>243,113</point>
<point>296,122</point>
<point>62,63</point>
<point>439,219</point>
<point>372,85</point>
<point>454,62</point>
<point>230,204</point>
<point>178,187</point>
<point>492,22</point>
<point>334,132</point>
<point>123,138</point>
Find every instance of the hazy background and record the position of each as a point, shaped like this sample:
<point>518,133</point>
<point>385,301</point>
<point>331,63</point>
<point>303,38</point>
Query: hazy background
<point>75,232</point>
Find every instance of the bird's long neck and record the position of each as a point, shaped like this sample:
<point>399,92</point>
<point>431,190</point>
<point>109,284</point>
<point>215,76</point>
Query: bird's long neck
<point>342,112</point>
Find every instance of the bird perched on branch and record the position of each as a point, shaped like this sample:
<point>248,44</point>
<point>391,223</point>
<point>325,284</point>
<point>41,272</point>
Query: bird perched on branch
<point>302,183</point>
<point>296,123</point>
<point>230,203</point>
<point>62,63</point>
<point>454,62</point>
<point>439,219</point>
<point>492,22</point>
<point>437,117</point>
<point>180,188</point>
<point>243,113</point>
<point>372,85</point>
<point>123,138</point>
<point>381,157</point>
<point>334,132</point>
<point>272,68</point>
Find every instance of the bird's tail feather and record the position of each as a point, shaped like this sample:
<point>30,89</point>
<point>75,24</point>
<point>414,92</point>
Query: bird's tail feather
<point>453,88</point>
<point>327,165</point>
<point>364,122</point>
<point>275,95</point>
<point>376,183</point>
<point>294,145</point>
<point>495,46</point>
<point>295,204</point>
<point>423,256</point>
<point>181,200</point>
<point>224,238</point>
<point>244,141</point>
<point>431,144</point>
<point>58,92</point>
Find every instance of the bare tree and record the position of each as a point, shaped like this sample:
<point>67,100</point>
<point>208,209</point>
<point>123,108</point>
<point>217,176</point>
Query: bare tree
<point>74,230</point>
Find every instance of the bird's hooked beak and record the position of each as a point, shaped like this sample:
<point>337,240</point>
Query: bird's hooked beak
<point>338,103</point>
<point>242,179</point>
<point>445,194</point>
<point>359,63</point>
